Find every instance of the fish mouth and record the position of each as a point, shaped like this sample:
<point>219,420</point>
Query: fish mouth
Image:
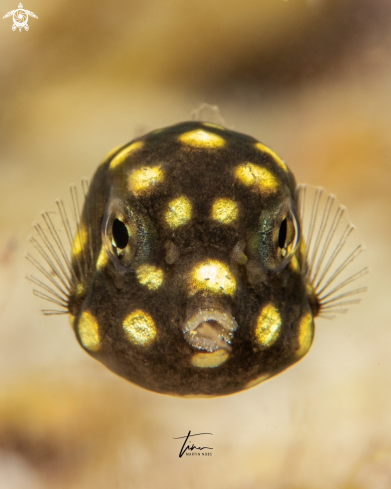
<point>210,330</point>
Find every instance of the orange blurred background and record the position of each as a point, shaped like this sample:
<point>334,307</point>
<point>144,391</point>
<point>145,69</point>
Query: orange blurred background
<point>311,79</point>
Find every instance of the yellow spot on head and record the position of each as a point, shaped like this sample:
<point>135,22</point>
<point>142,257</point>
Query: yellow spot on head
<point>268,326</point>
<point>139,328</point>
<point>306,335</point>
<point>209,360</point>
<point>80,240</point>
<point>122,155</point>
<point>225,211</point>
<point>213,276</point>
<point>111,153</point>
<point>145,179</point>
<point>179,212</point>
<point>257,381</point>
<point>157,131</point>
<point>150,276</point>
<point>102,260</point>
<point>202,139</point>
<point>274,155</point>
<point>255,175</point>
<point>89,332</point>
<point>212,124</point>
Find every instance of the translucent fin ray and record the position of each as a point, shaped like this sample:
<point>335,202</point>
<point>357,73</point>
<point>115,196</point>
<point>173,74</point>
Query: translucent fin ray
<point>57,271</point>
<point>208,113</point>
<point>334,261</point>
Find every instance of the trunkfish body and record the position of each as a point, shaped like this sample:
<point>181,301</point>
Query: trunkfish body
<point>192,270</point>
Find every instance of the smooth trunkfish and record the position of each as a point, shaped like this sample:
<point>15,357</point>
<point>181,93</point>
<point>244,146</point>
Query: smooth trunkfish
<point>196,265</point>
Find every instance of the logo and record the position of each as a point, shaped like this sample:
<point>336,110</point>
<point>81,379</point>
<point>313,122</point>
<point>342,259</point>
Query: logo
<point>20,17</point>
<point>189,449</point>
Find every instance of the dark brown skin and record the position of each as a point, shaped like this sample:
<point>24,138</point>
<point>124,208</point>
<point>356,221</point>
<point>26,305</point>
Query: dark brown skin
<point>254,256</point>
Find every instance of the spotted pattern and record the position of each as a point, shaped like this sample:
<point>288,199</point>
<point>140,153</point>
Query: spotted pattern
<point>214,126</point>
<point>125,153</point>
<point>212,276</point>
<point>209,360</point>
<point>225,211</point>
<point>202,139</point>
<point>150,276</point>
<point>80,241</point>
<point>275,156</point>
<point>256,176</point>
<point>294,265</point>
<point>139,328</point>
<point>268,326</point>
<point>102,260</point>
<point>88,330</point>
<point>257,381</point>
<point>144,179</point>
<point>179,212</point>
<point>191,310</point>
<point>306,334</point>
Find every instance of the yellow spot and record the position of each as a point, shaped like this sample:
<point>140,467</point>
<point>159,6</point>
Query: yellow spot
<point>150,276</point>
<point>225,211</point>
<point>274,155</point>
<point>80,289</point>
<point>102,260</point>
<point>213,276</point>
<point>302,251</point>
<point>157,131</point>
<point>89,332</point>
<point>268,326</point>
<point>254,175</point>
<point>179,212</point>
<point>72,321</point>
<point>257,381</point>
<point>145,179</point>
<point>122,155</point>
<point>139,328</point>
<point>111,153</point>
<point>202,139</point>
<point>209,360</point>
<point>306,334</point>
<point>215,126</point>
<point>294,265</point>
<point>80,240</point>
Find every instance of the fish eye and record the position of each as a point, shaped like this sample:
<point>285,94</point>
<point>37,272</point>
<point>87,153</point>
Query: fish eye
<point>277,237</point>
<point>288,236</point>
<point>120,234</point>
<point>125,234</point>
<point>282,234</point>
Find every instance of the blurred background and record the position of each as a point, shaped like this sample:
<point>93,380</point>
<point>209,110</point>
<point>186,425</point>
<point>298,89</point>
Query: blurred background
<point>311,79</point>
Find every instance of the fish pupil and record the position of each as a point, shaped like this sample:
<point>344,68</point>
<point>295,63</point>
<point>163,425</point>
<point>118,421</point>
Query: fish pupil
<point>120,234</point>
<point>282,234</point>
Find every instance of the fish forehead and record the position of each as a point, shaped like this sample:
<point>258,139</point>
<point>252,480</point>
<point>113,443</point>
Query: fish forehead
<point>199,160</point>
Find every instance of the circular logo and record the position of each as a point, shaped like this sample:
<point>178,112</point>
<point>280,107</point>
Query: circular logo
<point>20,18</point>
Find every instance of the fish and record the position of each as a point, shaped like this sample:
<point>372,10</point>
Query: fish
<point>193,265</point>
